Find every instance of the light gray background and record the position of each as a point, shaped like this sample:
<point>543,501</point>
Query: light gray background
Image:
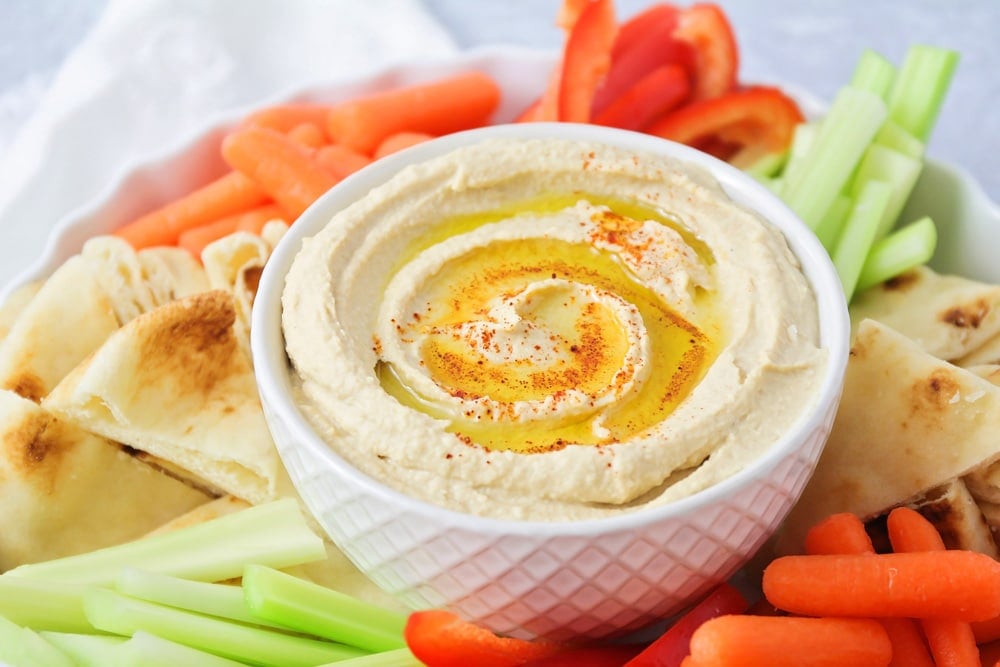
<point>813,44</point>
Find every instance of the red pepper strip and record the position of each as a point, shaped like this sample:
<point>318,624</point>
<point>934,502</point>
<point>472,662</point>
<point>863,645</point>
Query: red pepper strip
<point>595,656</point>
<point>660,91</point>
<point>758,120</point>
<point>586,59</point>
<point>650,50</point>
<point>439,638</point>
<point>706,28</point>
<point>531,113</point>
<point>673,645</point>
<point>636,29</point>
<point>569,12</point>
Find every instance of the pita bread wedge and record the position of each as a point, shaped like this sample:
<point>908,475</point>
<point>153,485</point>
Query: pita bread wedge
<point>213,509</point>
<point>957,517</point>
<point>907,422</point>
<point>176,384</point>
<point>986,354</point>
<point>64,491</point>
<point>11,308</point>
<point>948,316</point>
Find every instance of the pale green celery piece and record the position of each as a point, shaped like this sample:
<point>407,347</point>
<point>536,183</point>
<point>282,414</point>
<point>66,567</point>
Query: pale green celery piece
<point>87,650</point>
<point>148,650</point>
<point>43,605</point>
<point>920,88</point>
<point>802,140</point>
<point>829,228</point>
<point>848,129</point>
<point>895,137</point>
<point>858,233</point>
<point>899,171</point>
<point>898,252</point>
<point>22,647</point>
<point>113,612</point>
<point>318,610</point>
<point>400,657</point>
<point>768,166</point>
<point>772,184</point>
<point>873,73</point>
<point>274,534</point>
<point>223,600</point>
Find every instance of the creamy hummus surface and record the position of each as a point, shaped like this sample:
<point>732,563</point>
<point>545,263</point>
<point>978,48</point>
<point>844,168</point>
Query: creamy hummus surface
<point>550,330</point>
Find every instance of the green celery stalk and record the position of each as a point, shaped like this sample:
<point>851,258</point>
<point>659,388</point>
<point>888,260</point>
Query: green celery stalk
<point>767,166</point>
<point>859,233</point>
<point>873,73</point>
<point>400,657</point>
<point>222,600</point>
<point>147,650</point>
<point>920,88</point>
<point>895,137</point>
<point>896,169</point>
<point>829,228</point>
<point>43,605</point>
<point>898,252</point>
<point>87,650</point>
<point>119,614</point>
<point>308,607</point>
<point>22,647</point>
<point>802,140</point>
<point>274,534</point>
<point>844,135</point>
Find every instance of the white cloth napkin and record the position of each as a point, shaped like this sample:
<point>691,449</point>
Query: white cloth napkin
<point>151,74</point>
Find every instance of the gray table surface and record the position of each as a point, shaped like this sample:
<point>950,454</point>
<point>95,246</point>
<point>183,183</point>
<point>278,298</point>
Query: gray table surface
<point>813,44</point>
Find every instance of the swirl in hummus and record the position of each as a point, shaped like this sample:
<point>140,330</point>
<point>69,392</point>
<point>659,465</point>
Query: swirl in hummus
<point>550,330</point>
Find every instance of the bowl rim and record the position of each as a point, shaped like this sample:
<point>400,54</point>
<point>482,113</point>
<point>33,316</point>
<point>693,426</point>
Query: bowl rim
<point>272,369</point>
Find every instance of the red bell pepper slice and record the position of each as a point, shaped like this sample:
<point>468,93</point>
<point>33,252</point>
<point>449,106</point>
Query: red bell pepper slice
<point>706,28</point>
<point>569,12</point>
<point>751,122</point>
<point>596,656</point>
<point>586,59</point>
<point>670,648</point>
<point>652,20</point>
<point>658,92</point>
<point>440,638</point>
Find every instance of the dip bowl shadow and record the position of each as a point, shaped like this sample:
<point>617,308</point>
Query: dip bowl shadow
<point>565,579</point>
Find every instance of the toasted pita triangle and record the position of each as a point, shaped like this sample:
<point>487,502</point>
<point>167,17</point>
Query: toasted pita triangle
<point>907,422</point>
<point>65,491</point>
<point>948,316</point>
<point>175,383</point>
<point>11,308</point>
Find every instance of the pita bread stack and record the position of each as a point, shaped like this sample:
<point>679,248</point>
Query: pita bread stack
<point>916,426</point>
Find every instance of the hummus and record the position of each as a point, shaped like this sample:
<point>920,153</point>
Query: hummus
<point>549,330</point>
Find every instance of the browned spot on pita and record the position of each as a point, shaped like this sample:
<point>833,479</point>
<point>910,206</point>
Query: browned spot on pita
<point>935,392</point>
<point>34,447</point>
<point>902,282</point>
<point>191,341</point>
<point>27,385</point>
<point>967,316</point>
<point>251,279</point>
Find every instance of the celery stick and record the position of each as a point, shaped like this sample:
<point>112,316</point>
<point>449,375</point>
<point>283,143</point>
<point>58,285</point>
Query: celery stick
<point>829,228</point>
<point>854,118</point>
<point>22,647</point>
<point>893,136</point>
<point>900,251</point>
<point>147,650</point>
<point>119,614</point>
<point>802,140</point>
<point>87,650</point>
<point>274,534</point>
<point>920,87</point>
<point>767,166</point>
<point>43,605</point>
<point>400,657</point>
<point>320,611</point>
<point>873,73</point>
<point>221,600</point>
<point>859,233</point>
<point>898,170</point>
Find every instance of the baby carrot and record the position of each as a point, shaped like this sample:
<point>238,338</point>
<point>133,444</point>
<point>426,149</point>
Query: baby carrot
<point>310,135</point>
<point>989,654</point>
<point>459,102</point>
<point>340,161</point>
<point>284,170</point>
<point>284,117</point>
<point>845,533</point>
<point>788,641</point>
<point>951,641</point>
<point>986,631</point>
<point>194,240</point>
<point>232,193</point>
<point>952,584</point>
<point>399,141</point>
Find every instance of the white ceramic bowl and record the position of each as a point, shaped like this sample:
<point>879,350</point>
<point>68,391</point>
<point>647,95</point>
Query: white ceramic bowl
<point>555,579</point>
